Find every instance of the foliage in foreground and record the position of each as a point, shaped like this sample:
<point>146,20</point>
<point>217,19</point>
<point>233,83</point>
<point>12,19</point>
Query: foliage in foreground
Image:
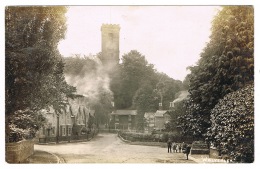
<point>232,122</point>
<point>34,76</point>
<point>226,65</point>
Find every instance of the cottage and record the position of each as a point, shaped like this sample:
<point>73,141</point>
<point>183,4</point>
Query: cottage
<point>149,121</point>
<point>68,123</point>
<point>160,118</point>
<point>123,119</point>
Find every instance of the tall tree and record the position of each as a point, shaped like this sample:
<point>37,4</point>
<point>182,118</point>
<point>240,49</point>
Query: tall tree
<point>34,70</point>
<point>135,71</point>
<point>226,64</point>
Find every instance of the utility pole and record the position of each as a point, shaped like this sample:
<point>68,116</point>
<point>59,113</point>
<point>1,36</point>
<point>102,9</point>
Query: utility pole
<point>58,128</point>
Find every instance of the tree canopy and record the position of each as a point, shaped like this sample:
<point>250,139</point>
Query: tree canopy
<point>226,65</point>
<point>34,70</point>
<point>232,124</point>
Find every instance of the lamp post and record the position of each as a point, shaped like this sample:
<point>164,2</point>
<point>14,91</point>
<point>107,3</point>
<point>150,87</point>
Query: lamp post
<point>58,128</point>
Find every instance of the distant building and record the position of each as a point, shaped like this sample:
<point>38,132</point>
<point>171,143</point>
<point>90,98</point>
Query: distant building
<point>68,123</point>
<point>123,119</point>
<point>149,121</point>
<point>110,44</point>
<point>160,118</point>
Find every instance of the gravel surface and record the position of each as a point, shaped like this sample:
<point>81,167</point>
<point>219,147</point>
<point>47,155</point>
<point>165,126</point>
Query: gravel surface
<point>108,148</point>
<point>42,157</point>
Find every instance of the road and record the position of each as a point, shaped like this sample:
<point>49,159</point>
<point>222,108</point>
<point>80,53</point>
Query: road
<point>108,148</point>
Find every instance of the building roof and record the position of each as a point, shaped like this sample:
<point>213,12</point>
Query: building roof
<point>149,114</point>
<point>124,112</point>
<point>160,113</point>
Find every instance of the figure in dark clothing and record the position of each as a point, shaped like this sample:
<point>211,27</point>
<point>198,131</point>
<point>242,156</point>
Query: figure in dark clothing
<point>174,148</point>
<point>169,144</point>
<point>187,151</point>
<point>180,148</point>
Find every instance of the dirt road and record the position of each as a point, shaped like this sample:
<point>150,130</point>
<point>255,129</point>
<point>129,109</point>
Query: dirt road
<point>108,148</point>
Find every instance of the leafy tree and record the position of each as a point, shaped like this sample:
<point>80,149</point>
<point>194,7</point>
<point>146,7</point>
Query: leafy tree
<point>166,89</point>
<point>226,64</point>
<point>135,71</point>
<point>232,122</point>
<point>179,110</point>
<point>144,99</point>
<point>77,65</point>
<point>103,107</point>
<point>137,85</point>
<point>34,69</point>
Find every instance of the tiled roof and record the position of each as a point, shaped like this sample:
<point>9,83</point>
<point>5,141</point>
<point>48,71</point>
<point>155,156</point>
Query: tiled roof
<point>124,112</point>
<point>149,114</point>
<point>160,113</point>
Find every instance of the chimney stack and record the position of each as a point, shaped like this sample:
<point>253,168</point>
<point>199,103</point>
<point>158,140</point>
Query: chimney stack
<point>160,106</point>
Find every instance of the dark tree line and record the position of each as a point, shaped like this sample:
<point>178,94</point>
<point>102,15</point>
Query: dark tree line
<point>138,85</point>
<point>226,66</point>
<point>34,69</point>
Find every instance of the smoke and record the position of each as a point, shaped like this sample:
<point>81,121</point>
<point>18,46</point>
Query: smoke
<point>90,80</point>
<point>182,95</point>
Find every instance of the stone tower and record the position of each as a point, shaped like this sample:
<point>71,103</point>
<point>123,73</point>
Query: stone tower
<point>110,44</point>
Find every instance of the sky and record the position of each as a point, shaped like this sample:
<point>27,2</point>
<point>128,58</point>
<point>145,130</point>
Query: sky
<point>170,37</point>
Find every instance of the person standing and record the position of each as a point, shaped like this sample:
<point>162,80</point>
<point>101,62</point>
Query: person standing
<point>184,145</point>
<point>177,148</point>
<point>174,147</point>
<point>187,151</point>
<point>169,144</point>
<point>180,147</point>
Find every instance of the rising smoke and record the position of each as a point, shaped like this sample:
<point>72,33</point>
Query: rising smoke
<point>88,75</point>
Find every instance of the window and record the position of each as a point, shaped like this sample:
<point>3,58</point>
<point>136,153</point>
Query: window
<point>117,119</point>
<point>111,37</point>
<point>129,118</point>
<point>69,132</point>
<point>43,131</point>
<point>64,131</point>
<point>53,130</point>
<point>160,104</point>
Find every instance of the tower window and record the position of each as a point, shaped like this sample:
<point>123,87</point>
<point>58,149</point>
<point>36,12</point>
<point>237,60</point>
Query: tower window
<point>111,37</point>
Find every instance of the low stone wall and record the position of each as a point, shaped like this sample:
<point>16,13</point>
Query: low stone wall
<point>18,152</point>
<point>160,144</point>
<point>199,147</point>
<point>214,153</point>
<point>68,139</point>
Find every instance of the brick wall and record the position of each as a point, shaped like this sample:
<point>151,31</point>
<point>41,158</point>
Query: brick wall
<point>18,152</point>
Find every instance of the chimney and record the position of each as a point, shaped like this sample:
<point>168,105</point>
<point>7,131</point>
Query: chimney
<point>160,106</point>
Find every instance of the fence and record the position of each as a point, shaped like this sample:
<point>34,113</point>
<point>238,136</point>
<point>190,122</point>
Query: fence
<point>144,137</point>
<point>19,151</point>
<point>71,138</point>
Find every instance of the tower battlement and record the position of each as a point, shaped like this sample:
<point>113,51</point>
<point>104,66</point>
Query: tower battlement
<point>110,26</point>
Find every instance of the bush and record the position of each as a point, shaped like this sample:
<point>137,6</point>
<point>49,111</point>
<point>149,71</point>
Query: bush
<point>233,125</point>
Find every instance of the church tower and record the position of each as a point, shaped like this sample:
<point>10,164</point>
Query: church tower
<point>110,44</point>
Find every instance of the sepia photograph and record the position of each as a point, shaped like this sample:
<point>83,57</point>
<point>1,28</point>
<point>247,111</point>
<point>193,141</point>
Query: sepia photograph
<point>132,84</point>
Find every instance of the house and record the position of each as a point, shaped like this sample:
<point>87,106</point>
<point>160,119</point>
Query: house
<point>149,121</point>
<point>123,119</point>
<point>69,123</point>
<point>160,118</point>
